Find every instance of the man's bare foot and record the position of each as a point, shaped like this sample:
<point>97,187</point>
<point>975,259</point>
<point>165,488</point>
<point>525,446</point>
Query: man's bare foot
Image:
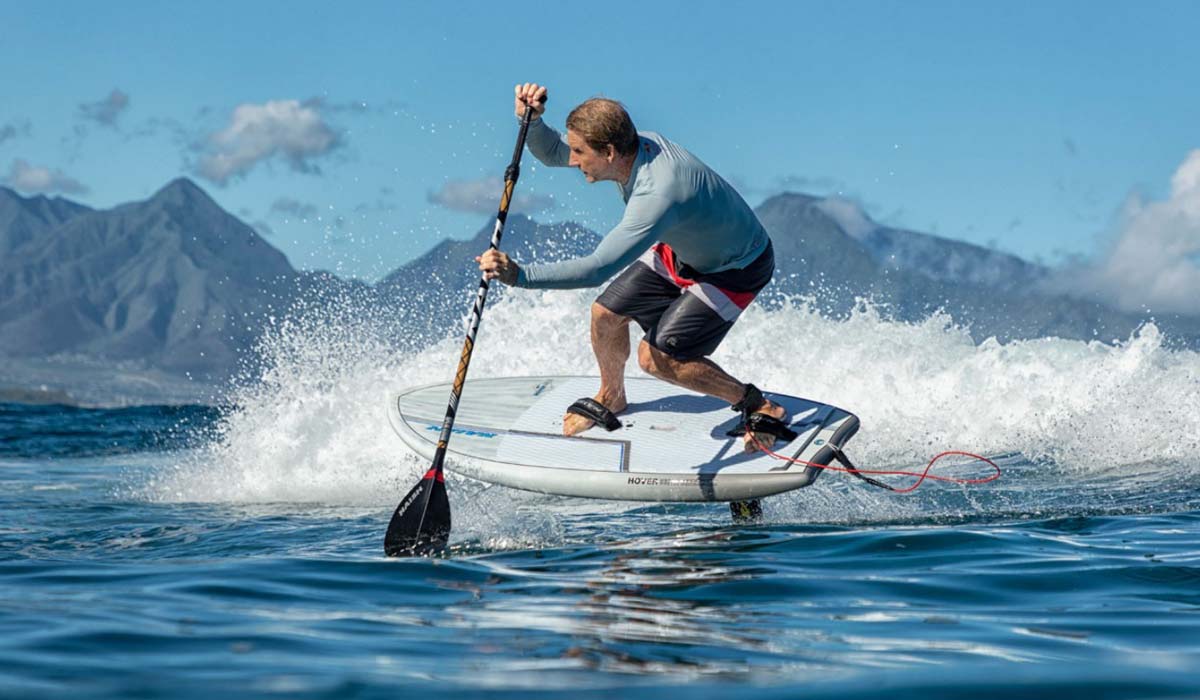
<point>757,441</point>
<point>574,424</point>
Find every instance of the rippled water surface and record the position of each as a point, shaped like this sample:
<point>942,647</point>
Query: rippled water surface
<point>111,595</point>
<point>184,552</point>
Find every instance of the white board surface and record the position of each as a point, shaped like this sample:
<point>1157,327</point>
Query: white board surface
<point>672,445</point>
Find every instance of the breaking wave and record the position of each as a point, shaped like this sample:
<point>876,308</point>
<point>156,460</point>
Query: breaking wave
<point>1079,426</point>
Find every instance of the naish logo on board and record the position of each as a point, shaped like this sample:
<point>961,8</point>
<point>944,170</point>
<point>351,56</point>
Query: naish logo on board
<point>465,431</point>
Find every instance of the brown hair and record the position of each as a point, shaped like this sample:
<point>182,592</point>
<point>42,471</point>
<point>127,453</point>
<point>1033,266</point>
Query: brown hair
<point>601,121</point>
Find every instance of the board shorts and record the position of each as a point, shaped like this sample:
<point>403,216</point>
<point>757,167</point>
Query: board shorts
<point>685,313</point>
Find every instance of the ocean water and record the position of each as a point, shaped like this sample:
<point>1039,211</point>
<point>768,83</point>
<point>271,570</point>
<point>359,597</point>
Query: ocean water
<point>187,551</point>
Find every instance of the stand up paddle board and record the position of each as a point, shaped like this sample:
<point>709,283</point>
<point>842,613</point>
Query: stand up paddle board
<point>673,444</point>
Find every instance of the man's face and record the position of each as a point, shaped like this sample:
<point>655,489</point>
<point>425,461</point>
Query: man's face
<point>593,164</point>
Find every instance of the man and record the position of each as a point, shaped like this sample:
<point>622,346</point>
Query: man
<point>693,253</point>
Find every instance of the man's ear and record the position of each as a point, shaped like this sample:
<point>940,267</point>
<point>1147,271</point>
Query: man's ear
<point>610,152</point>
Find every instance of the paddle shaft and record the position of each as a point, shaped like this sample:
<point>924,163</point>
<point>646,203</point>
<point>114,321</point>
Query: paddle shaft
<point>511,173</point>
<point>421,523</point>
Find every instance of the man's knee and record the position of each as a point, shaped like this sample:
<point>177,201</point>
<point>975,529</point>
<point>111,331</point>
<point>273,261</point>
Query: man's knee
<point>649,358</point>
<point>603,318</point>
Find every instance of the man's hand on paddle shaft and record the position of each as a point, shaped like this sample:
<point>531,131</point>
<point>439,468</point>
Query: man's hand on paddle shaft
<point>494,264</point>
<point>532,94</point>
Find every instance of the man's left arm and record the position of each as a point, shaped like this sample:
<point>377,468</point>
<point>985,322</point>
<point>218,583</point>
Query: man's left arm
<point>646,217</point>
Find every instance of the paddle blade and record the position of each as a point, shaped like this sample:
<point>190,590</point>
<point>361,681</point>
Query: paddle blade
<point>421,524</point>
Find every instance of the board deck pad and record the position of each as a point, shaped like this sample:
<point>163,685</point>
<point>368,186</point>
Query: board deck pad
<point>672,446</point>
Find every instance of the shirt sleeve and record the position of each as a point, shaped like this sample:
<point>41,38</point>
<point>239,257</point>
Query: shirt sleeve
<point>547,145</point>
<point>646,217</point>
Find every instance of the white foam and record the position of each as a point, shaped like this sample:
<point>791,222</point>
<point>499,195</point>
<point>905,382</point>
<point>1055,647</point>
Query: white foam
<point>315,428</point>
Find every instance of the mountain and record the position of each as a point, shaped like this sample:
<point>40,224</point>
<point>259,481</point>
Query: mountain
<point>839,256</point>
<point>25,219</point>
<point>171,293</point>
<point>174,281</point>
<point>436,289</point>
<point>822,250</point>
<point>934,257</point>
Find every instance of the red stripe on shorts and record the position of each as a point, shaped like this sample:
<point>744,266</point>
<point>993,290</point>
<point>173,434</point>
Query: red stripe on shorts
<point>667,256</point>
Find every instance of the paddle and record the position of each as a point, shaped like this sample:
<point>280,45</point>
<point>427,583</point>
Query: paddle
<point>421,523</point>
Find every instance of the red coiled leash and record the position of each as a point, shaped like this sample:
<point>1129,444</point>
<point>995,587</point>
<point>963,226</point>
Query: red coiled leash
<point>860,473</point>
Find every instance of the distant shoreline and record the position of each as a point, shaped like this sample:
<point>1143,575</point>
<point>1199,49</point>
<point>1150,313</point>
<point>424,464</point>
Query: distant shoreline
<point>36,397</point>
<point>91,383</point>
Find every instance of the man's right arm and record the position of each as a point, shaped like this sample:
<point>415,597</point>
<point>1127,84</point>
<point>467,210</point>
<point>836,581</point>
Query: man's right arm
<point>545,143</point>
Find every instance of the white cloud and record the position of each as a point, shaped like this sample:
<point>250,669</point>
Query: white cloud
<point>35,179</point>
<point>293,208</point>
<point>286,129</point>
<point>807,184</point>
<point>483,197</point>
<point>1154,261</point>
<point>849,215</point>
<point>814,186</point>
<point>106,111</point>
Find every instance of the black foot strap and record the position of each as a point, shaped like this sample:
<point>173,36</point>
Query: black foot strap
<point>751,400</point>
<point>762,423</point>
<point>595,411</point>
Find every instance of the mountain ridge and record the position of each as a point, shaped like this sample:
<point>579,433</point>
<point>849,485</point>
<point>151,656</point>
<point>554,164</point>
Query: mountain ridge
<point>177,285</point>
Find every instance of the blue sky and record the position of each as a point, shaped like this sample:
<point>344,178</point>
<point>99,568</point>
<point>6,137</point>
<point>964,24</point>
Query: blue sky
<point>355,138</point>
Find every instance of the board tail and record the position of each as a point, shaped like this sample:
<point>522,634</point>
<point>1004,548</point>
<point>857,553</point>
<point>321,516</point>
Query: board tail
<point>421,523</point>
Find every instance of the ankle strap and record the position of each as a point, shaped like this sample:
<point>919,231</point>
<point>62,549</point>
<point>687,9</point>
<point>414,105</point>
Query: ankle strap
<point>750,402</point>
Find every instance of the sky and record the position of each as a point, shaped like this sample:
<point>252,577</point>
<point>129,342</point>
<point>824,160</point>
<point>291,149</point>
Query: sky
<point>355,138</point>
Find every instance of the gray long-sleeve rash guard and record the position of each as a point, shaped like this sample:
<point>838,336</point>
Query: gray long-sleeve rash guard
<point>670,197</point>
